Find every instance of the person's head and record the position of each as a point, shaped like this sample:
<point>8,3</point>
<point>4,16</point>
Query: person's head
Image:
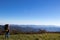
<point>6,26</point>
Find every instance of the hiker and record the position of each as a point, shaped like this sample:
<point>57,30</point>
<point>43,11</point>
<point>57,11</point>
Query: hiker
<point>6,31</point>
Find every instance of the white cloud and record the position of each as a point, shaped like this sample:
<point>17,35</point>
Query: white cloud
<point>26,22</point>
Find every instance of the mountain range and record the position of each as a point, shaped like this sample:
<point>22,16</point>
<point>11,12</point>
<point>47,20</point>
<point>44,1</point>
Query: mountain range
<point>31,28</point>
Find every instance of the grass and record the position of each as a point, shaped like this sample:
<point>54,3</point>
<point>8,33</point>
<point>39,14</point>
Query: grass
<point>46,36</point>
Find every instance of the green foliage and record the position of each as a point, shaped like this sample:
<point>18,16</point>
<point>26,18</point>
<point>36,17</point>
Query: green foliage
<point>45,36</point>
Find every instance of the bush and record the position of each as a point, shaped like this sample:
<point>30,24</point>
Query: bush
<point>36,39</point>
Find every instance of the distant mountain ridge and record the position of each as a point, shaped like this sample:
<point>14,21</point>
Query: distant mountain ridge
<point>34,28</point>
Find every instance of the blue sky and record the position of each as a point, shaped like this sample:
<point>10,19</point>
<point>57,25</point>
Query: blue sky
<point>38,12</point>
